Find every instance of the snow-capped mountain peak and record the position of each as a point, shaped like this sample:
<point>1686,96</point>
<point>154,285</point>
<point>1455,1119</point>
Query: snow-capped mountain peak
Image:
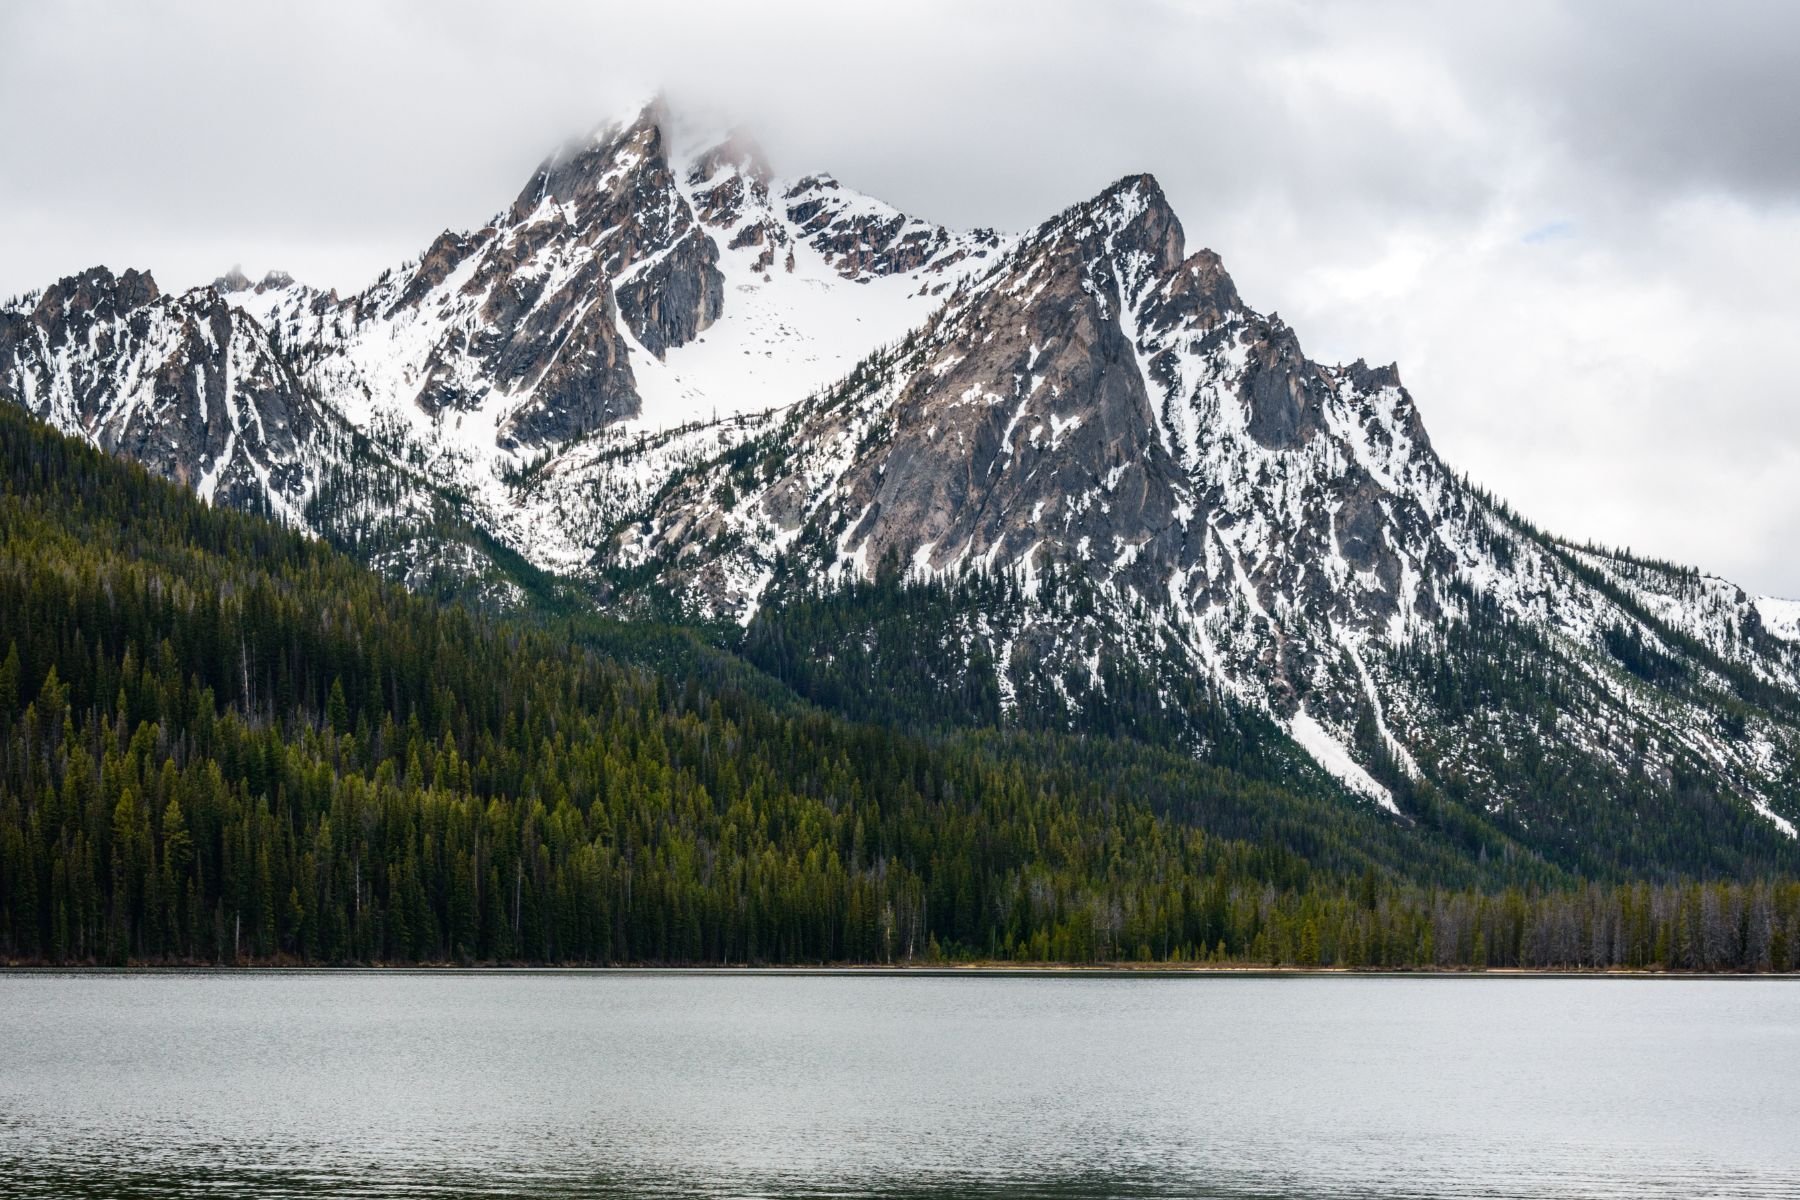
<point>667,367</point>
<point>1103,409</point>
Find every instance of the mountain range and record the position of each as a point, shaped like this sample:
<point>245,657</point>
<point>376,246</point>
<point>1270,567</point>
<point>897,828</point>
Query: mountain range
<point>1061,479</point>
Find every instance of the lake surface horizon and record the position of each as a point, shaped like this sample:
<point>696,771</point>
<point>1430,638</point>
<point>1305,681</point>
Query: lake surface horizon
<point>539,1083</point>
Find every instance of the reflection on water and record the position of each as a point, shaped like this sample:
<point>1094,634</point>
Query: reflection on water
<point>541,1085</point>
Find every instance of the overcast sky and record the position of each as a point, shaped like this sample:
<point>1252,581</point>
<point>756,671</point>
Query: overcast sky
<point>1576,226</point>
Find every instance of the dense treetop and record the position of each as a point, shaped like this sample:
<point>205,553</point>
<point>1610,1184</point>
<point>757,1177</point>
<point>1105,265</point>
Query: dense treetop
<point>226,742</point>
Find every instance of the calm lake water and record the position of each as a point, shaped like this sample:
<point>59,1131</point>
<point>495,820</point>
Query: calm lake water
<point>540,1085</point>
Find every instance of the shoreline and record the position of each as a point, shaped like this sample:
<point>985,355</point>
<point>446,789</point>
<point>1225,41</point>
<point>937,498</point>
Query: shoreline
<point>922,971</point>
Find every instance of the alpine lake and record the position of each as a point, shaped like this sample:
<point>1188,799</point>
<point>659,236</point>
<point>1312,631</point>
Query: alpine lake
<point>776,1084</point>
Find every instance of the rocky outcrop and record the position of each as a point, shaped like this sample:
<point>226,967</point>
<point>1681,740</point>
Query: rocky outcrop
<point>671,299</point>
<point>576,361</point>
<point>188,385</point>
<point>618,194</point>
<point>1045,417</point>
<point>864,239</point>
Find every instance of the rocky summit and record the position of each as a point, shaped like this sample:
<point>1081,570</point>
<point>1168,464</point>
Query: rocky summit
<point>1095,483</point>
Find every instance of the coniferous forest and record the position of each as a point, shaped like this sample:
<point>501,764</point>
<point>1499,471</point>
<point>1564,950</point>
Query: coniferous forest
<point>225,742</point>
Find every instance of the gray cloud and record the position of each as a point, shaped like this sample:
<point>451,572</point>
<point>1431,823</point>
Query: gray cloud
<point>1375,171</point>
<point>1670,95</point>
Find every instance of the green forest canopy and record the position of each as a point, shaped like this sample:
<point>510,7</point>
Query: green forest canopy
<point>224,742</point>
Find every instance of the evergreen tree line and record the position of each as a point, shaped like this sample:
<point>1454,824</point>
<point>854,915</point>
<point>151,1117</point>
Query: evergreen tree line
<point>1501,690</point>
<point>222,742</point>
<point>1500,783</point>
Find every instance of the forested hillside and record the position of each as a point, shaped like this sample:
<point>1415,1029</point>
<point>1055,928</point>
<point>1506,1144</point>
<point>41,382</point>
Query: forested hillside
<point>225,742</point>
<point>1068,485</point>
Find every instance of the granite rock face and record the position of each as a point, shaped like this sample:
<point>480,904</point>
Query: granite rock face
<point>863,243</point>
<point>187,385</point>
<point>617,197</point>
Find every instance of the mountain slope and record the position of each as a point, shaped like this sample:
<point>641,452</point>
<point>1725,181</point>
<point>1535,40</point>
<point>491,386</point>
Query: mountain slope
<point>636,284</point>
<point>1065,481</point>
<point>188,385</point>
<point>222,741</point>
<point>1102,413</point>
